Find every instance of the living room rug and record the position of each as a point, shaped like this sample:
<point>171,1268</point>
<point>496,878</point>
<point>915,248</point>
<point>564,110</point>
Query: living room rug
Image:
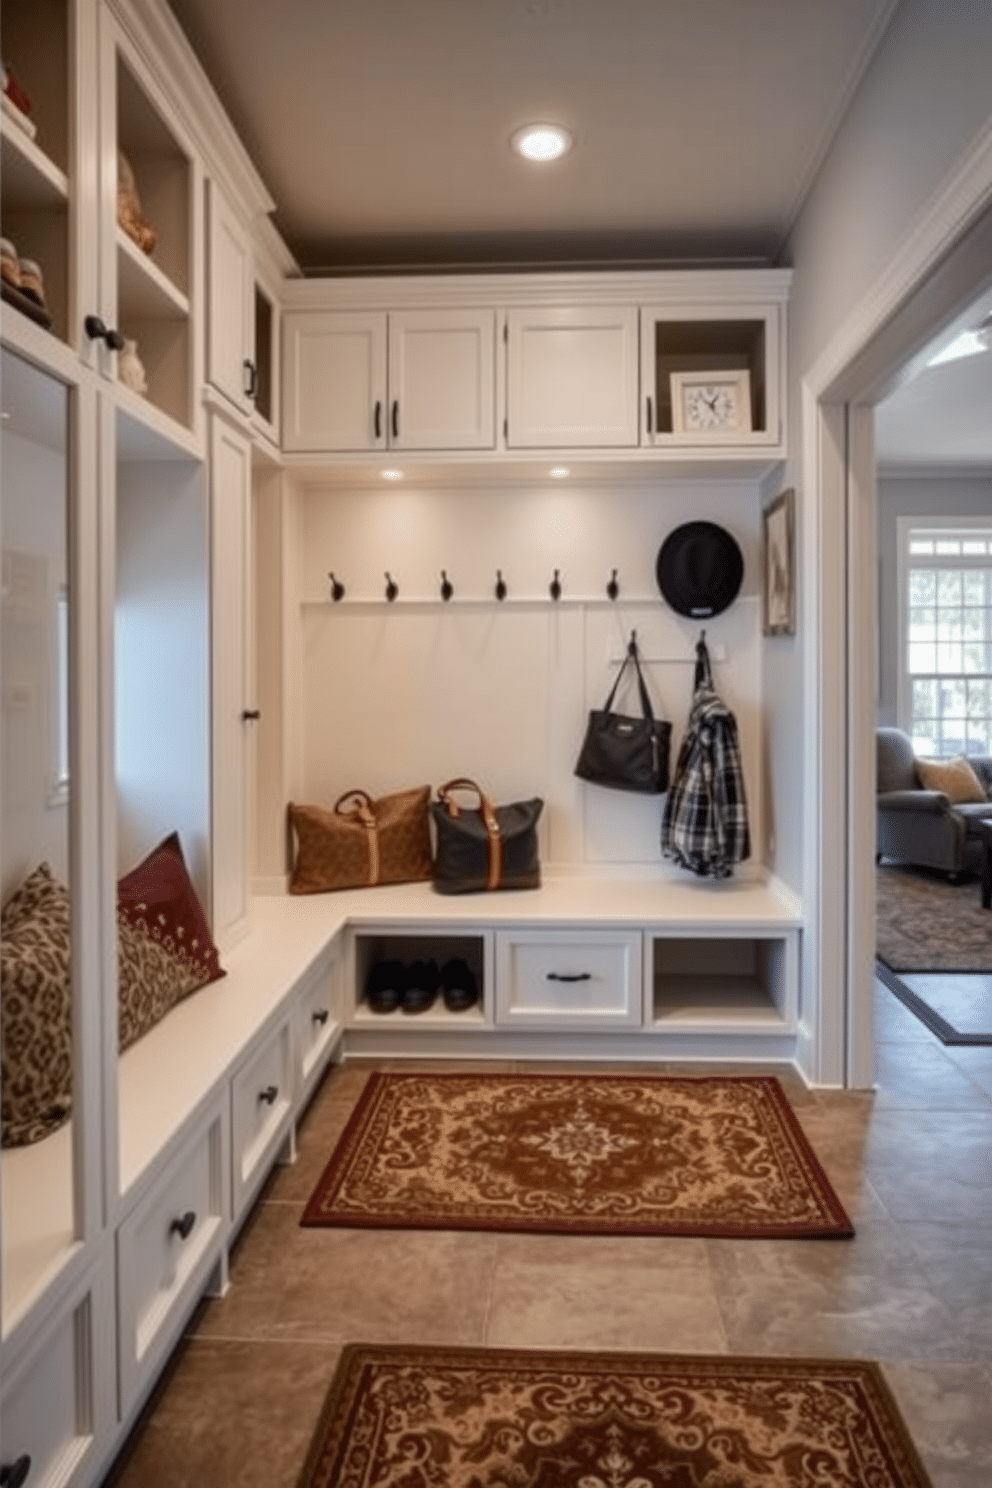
<point>925,923</point>
<point>578,1154</point>
<point>464,1417</point>
<point>955,1005</point>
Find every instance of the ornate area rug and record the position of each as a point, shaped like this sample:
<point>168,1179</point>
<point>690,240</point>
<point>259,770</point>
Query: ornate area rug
<point>578,1154</point>
<point>478,1418</point>
<point>925,923</point>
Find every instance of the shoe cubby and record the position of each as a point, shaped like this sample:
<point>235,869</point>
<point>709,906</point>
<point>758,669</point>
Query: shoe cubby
<point>375,951</point>
<point>35,158</point>
<point>723,983</point>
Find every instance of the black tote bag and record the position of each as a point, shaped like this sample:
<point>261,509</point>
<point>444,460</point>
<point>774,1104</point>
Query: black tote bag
<point>624,753</point>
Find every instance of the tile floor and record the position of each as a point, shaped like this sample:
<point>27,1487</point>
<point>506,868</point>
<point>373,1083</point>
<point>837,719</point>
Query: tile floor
<point>912,1163</point>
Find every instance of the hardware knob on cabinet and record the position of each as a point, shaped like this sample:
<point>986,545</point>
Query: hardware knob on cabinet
<point>251,715</point>
<point>16,1473</point>
<point>183,1226</point>
<point>320,1016</point>
<point>97,331</point>
<point>251,379</point>
<point>555,590</point>
<point>392,588</point>
<point>500,590</point>
<point>447,588</point>
<point>337,588</point>
<point>613,588</point>
<point>268,1095</point>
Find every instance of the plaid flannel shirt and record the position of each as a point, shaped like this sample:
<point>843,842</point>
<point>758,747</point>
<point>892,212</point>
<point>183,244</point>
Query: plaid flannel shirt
<point>704,826</point>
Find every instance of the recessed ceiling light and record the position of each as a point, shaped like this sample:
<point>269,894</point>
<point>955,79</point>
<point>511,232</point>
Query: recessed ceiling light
<point>392,475</point>
<point>542,141</point>
<point>559,472</point>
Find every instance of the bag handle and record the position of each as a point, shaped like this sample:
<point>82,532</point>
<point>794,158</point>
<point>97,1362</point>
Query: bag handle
<point>634,656</point>
<point>487,812</point>
<point>704,671</point>
<point>362,813</point>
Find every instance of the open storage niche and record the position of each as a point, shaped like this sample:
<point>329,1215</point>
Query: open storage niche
<point>724,983</point>
<point>154,289</point>
<point>376,946</point>
<point>264,352</point>
<point>691,342</point>
<point>34,171</point>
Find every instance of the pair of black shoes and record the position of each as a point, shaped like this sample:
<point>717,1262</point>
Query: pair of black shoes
<point>415,988</point>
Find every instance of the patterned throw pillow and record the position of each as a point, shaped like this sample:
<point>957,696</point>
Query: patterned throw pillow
<point>954,777</point>
<point>165,950</point>
<point>35,1010</point>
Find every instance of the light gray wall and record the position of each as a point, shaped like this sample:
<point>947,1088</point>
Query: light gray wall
<point>921,497</point>
<point>924,102</point>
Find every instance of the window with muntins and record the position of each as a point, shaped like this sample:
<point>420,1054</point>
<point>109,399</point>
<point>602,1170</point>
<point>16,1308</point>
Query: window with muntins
<point>947,636</point>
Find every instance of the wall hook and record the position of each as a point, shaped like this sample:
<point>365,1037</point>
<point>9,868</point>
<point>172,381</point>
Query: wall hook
<point>555,590</point>
<point>613,588</point>
<point>337,588</point>
<point>391,587</point>
<point>447,588</point>
<point>632,644</point>
<point>500,585</point>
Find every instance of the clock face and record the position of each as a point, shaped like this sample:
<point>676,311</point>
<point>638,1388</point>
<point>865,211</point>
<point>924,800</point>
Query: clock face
<point>710,406</point>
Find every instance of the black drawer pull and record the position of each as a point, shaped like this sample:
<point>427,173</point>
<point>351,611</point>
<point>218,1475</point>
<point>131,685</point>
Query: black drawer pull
<point>396,418</point>
<point>649,418</point>
<point>183,1226</point>
<point>377,420</point>
<point>268,1095</point>
<point>250,379</point>
<point>251,715</point>
<point>569,976</point>
<point>320,1015</point>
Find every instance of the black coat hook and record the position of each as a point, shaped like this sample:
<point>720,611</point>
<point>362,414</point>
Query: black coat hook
<point>555,590</point>
<point>447,588</point>
<point>632,644</point>
<point>337,588</point>
<point>391,587</point>
<point>613,588</point>
<point>500,590</point>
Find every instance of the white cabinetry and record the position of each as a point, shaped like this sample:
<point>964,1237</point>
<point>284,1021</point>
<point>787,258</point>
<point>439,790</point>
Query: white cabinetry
<point>568,979</point>
<point>572,377</point>
<point>408,380</point>
<point>231,364</point>
<point>261,1110</point>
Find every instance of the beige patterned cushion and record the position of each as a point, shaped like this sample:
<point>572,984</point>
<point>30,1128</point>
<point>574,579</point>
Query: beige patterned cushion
<point>151,980</point>
<point>35,1010</point>
<point>954,777</point>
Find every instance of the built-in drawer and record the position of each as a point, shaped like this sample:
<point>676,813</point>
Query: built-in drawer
<point>318,1024</point>
<point>261,1111</point>
<point>568,979</point>
<point>165,1249</point>
<point>58,1400</point>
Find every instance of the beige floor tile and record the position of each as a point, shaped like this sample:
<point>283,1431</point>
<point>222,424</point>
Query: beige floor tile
<point>586,1292</point>
<point>946,1409</point>
<point>233,1415</point>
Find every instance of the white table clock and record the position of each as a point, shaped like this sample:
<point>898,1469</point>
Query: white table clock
<point>711,402</point>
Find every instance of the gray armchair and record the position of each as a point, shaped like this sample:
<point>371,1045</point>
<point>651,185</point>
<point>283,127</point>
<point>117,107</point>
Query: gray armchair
<point>914,825</point>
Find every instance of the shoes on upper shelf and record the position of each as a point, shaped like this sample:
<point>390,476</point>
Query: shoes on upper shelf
<point>459,986</point>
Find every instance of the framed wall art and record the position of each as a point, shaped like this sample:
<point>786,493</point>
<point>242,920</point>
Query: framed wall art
<point>779,610</point>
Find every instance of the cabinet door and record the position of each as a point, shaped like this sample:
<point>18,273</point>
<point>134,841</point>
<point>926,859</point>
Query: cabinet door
<point>233,708</point>
<point>230,303</point>
<point>572,377</point>
<point>334,381</point>
<point>441,379</point>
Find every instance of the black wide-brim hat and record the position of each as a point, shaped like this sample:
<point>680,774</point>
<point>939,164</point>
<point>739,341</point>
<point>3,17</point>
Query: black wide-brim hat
<point>699,569</point>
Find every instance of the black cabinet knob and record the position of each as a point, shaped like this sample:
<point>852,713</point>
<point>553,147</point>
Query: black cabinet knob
<point>320,1016</point>
<point>97,331</point>
<point>268,1095</point>
<point>183,1226</point>
<point>251,715</point>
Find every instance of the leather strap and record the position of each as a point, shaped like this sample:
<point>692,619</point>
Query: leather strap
<point>361,811</point>
<point>632,655</point>
<point>487,812</point>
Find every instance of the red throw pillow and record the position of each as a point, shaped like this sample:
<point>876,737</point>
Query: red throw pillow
<point>159,900</point>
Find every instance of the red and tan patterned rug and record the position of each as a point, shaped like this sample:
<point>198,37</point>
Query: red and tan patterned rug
<point>464,1418</point>
<point>578,1154</point>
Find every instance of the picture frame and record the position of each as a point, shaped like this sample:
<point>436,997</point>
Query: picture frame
<point>779,566</point>
<point>711,404</point>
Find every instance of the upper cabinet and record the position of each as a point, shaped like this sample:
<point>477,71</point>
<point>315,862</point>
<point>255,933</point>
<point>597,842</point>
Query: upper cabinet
<point>242,316</point>
<point>151,236</point>
<point>407,380</point>
<point>711,377</point>
<point>572,377</point>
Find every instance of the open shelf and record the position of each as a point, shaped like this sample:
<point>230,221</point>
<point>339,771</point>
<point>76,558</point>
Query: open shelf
<point>370,949</point>
<point>724,983</point>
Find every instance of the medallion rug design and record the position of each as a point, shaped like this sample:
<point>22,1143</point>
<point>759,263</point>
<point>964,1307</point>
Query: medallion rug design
<point>578,1154</point>
<point>477,1418</point>
<point>925,923</point>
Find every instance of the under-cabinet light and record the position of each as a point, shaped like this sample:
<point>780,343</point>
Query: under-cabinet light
<point>392,475</point>
<point>559,472</point>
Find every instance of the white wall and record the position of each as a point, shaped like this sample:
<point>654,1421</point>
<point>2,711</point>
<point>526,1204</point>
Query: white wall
<point>919,496</point>
<point>419,691</point>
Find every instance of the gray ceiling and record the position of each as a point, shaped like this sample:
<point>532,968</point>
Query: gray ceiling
<point>381,129</point>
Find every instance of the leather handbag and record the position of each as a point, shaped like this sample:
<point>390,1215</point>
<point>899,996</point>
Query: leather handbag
<point>487,846</point>
<point>622,753</point>
<point>362,842</point>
